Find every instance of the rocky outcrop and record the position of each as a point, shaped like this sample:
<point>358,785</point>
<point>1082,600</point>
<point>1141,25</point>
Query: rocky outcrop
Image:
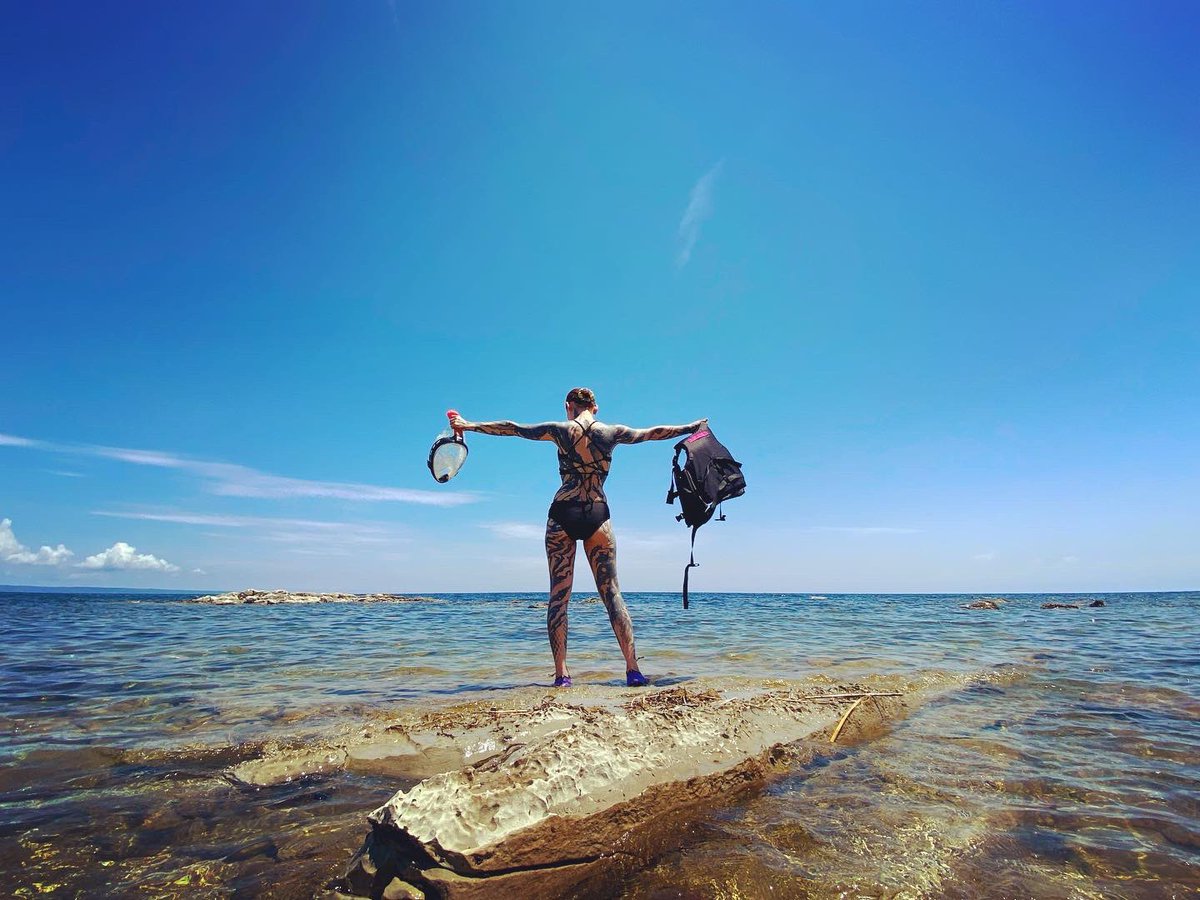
<point>1060,606</point>
<point>567,797</point>
<point>280,596</point>
<point>982,604</point>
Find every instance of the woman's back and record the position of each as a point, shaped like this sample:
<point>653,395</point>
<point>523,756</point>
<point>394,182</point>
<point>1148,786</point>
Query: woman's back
<point>584,458</point>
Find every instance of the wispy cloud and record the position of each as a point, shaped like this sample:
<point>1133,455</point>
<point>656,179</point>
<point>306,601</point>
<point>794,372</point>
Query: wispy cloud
<point>699,210</point>
<point>138,457</point>
<point>351,536</point>
<point>190,518</point>
<point>11,440</point>
<point>628,538</point>
<point>865,529</point>
<point>647,540</point>
<point>272,528</point>
<point>518,530</point>
<point>232,480</point>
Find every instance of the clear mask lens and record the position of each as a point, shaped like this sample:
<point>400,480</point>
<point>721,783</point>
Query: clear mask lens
<point>447,459</point>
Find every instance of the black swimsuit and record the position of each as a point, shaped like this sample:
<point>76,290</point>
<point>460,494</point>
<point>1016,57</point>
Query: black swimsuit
<point>581,518</point>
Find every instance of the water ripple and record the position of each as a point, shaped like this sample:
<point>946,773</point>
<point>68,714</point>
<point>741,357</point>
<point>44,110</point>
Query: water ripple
<point>1071,769</point>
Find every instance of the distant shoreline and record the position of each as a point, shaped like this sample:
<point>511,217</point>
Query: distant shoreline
<point>89,589</point>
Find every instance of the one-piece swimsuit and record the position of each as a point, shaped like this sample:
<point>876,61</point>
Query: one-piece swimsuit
<point>580,518</point>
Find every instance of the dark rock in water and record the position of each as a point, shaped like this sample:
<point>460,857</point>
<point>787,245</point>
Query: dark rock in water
<point>1060,606</point>
<point>260,847</point>
<point>982,604</point>
<point>1096,603</point>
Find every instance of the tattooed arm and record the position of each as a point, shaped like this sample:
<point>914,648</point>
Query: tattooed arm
<point>542,432</point>
<point>623,434</point>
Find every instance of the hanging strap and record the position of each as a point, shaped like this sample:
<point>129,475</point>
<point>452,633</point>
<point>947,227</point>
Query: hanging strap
<point>673,490</point>
<point>692,564</point>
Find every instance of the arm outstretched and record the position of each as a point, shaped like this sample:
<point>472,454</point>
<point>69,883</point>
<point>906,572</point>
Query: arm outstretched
<point>623,434</point>
<point>541,432</point>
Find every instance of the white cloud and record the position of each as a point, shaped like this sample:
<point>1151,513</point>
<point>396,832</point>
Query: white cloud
<point>319,550</point>
<point>248,483</point>
<point>13,551</point>
<point>628,538</point>
<point>231,480</point>
<point>865,529</point>
<point>199,572</point>
<point>47,556</point>
<point>270,528</point>
<point>647,540</point>
<point>985,557</point>
<point>518,530</point>
<point>699,210</point>
<point>12,440</point>
<point>121,556</point>
<point>189,518</point>
<point>140,457</point>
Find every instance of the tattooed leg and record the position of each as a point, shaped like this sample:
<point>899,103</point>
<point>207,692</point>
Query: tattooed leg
<point>601,550</point>
<point>560,554</point>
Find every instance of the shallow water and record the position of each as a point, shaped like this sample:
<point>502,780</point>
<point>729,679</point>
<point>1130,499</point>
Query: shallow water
<point>1073,770</point>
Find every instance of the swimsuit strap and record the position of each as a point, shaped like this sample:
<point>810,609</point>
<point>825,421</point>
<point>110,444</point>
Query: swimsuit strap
<point>586,467</point>
<point>598,456</point>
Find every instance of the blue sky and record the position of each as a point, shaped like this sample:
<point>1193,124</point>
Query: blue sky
<point>930,269</point>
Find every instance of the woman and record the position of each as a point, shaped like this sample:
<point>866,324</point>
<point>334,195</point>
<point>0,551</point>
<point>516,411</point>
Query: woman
<point>580,513</point>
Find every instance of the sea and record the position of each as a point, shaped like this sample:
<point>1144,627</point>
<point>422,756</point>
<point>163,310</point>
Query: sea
<point>1070,769</point>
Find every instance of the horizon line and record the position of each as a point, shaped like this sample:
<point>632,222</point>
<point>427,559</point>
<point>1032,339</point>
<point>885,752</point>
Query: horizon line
<point>68,589</point>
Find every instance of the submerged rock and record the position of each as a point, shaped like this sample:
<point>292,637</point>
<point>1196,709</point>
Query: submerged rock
<point>982,604</point>
<point>280,596</point>
<point>573,796</point>
<point>287,766</point>
<point>1060,606</point>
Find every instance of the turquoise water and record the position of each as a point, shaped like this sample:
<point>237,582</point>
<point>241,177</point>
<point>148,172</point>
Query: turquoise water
<point>1074,771</point>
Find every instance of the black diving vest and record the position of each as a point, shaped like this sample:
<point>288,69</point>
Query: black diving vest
<point>708,476</point>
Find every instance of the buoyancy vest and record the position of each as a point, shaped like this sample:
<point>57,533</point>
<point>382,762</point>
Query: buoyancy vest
<point>708,476</point>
